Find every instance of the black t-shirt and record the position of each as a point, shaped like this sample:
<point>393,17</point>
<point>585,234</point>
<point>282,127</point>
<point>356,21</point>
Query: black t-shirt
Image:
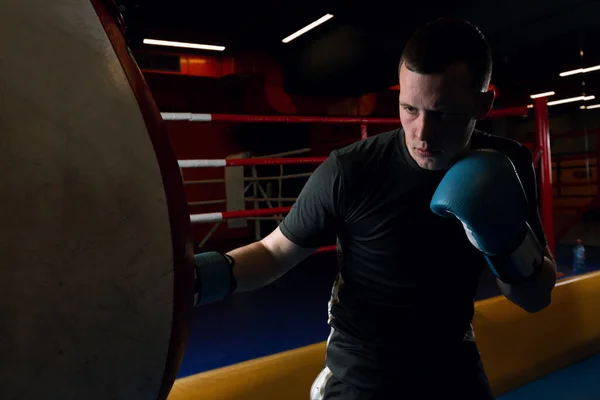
<point>407,276</point>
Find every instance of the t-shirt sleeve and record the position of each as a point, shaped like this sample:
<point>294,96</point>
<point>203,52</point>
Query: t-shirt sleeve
<point>312,221</point>
<point>526,171</point>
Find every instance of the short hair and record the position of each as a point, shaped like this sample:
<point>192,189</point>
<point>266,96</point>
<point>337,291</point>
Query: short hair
<point>444,42</point>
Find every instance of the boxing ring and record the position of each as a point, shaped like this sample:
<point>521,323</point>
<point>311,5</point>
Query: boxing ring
<point>96,285</point>
<point>541,158</point>
<point>526,356</point>
<point>511,364</point>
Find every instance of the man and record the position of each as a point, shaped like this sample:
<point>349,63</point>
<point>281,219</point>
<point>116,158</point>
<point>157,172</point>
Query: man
<point>402,305</point>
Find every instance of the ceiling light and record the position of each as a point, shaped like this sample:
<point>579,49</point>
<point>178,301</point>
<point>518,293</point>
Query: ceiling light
<point>307,28</point>
<point>184,45</point>
<point>580,71</point>
<point>592,106</point>
<point>545,94</point>
<point>571,99</point>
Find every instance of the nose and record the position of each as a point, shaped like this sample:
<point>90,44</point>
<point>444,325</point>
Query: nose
<point>426,128</point>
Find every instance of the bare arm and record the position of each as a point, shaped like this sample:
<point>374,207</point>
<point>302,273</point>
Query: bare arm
<point>311,220</point>
<point>262,262</point>
<point>535,294</point>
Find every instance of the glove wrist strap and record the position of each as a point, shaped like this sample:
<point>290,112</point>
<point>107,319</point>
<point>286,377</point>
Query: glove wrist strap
<point>214,277</point>
<point>233,281</point>
<point>522,264</point>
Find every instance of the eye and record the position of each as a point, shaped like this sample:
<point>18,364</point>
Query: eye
<point>410,110</point>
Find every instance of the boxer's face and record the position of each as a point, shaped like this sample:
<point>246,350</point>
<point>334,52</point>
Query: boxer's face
<point>438,113</point>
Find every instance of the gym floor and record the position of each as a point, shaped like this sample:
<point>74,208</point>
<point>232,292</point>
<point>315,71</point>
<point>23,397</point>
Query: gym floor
<point>292,313</point>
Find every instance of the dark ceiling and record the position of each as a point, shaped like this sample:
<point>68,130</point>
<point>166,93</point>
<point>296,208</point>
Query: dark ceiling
<point>533,40</point>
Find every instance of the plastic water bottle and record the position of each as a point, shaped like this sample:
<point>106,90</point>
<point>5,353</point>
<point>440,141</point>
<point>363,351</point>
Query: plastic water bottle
<point>578,257</point>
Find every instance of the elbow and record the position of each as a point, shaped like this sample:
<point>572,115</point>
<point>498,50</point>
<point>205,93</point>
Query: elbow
<point>534,304</point>
<point>535,295</point>
<point>536,307</point>
<point>532,300</point>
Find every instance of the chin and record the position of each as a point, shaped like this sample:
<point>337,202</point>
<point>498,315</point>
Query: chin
<point>433,167</point>
<point>429,165</point>
<point>432,164</point>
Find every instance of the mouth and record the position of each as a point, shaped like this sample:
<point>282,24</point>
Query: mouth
<point>427,152</point>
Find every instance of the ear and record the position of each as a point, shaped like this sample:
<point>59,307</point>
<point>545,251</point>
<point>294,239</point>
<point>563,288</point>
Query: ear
<point>485,103</point>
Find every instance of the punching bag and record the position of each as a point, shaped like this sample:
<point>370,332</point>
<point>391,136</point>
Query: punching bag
<point>96,280</point>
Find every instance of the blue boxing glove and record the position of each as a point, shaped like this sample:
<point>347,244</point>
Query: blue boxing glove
<point>214,277</point>
<point>485,193</point>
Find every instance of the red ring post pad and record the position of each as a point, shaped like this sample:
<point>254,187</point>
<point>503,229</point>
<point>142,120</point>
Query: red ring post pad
<point>97,274</point>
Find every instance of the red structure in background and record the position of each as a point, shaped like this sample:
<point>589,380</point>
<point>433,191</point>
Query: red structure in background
<point>577,192</point>
<point>543,144</point>
<point>541,149</point>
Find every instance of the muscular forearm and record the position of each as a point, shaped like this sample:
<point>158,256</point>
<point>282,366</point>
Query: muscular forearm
<point>255,267</point>
<point>535,294</point>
